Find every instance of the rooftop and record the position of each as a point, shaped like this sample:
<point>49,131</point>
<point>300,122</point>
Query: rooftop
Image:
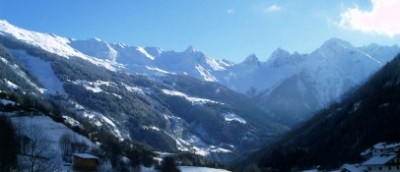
<point>379,160</point>
<point>384,145</point>
<point>85,156</point>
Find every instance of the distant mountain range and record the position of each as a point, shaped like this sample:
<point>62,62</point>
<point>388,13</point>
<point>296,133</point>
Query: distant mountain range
<point>187,100</point>
<point>304,82</point>
<point>167,111</point>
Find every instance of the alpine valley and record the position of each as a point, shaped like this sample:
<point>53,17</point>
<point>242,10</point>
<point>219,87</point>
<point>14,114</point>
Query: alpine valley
<point>182,101</point>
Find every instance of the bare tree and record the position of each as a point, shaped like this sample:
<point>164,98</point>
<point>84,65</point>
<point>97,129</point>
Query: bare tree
<point>65,146</point>
<point>69,144</point>
<point>36,151</point>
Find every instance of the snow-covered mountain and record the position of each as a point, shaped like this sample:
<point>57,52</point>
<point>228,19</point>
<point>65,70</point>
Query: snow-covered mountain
<point>288,87</point>
<point>152,60</point>
<point>168,110</point>
<point>321,77</point>
<point>148,60</point>
<point>338,134</point>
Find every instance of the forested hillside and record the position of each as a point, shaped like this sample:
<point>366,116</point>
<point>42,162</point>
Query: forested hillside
<point>339,133</point>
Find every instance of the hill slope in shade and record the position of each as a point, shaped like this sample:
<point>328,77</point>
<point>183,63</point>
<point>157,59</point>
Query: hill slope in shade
<point>338,134</point>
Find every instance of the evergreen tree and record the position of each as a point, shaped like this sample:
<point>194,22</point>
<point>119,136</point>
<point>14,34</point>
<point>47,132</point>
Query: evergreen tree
<point>9,146</point>
<point>169,165</point>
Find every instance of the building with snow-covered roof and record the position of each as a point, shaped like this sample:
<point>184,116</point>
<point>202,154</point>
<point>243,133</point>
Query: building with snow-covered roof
<point>352,168</point>
<point>385,162</point>
<point>381,148</point>
<point>85,162</point>
<point>382,157</point>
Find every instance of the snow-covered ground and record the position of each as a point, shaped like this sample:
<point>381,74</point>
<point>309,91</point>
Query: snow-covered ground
<point>93,86</point>
<point>191,142</point>
<point>134,89</point>
<point>51,130</point>
<point>188,169</point>
<point>145,53</point>
<point>11,84</point>
<point>44,140</point>
<point>206,74</point>
<point>6,102</point>
<point>200,169</point>
<point>42,70</point>
<point>233,117</point>
<point>99,120</point>
<point>162,71</point>
<point>20,73</point>
<point>194,100</point>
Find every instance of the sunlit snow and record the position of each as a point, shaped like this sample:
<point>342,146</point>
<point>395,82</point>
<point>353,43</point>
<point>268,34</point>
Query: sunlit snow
<point>51,43</point>
<point>207,76</point>
<point>194,100</point>
<point>145,53</point>
<point>42,70</point>
<point>159,70</point>
<point>93,86</point>
<point>233,117</point>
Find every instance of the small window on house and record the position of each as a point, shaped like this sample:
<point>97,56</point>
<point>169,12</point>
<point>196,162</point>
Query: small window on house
<point>380,168</point>
<point>389,168</point>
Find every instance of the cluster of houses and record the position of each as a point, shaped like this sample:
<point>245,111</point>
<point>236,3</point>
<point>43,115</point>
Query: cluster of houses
<point>382,157</point>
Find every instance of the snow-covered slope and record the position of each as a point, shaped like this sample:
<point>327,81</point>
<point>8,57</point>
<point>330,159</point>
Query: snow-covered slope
<point>337,66</point>
<point>144,59</point>
<point>15,78</point>
<point>116,98</point>
<point>42,71</point>
<point>321,77</point>
<point>189,169</point>
<point>43,140</point>
<point>49,42</point>
<point>340,132</point>
<point>165,108</point>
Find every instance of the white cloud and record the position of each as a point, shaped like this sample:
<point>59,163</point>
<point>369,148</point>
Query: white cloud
<point>230,11</point>
<point>383,18</point>
<point>274,8</point>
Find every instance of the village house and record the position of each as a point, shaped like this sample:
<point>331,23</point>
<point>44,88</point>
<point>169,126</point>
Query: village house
<point>352,168</point>
<point>85,162</point>
<point>381,149</point>
<point>385,162</point>
<point>382,157</point>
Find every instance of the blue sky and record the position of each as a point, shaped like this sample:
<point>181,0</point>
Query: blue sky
<point>229,29</point>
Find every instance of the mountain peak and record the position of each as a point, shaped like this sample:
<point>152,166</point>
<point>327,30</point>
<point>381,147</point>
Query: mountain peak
<point>7,28</point>
<point>48,42</point>
<point>251,59</point>
<point>279,52</point>
<point>4,23</point>
<point>96,39</point>
<point>191,49</point>
<point>281,57</point>
<point>335,43</point>
<point>155,51</point>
